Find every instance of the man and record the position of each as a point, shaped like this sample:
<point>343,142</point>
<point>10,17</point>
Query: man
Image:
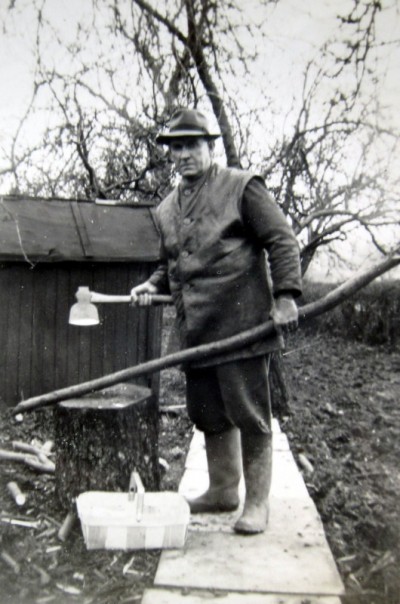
<point>215,227</point>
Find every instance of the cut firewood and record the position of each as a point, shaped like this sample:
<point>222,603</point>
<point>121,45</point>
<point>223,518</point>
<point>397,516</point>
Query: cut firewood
<point>21,446</point>
<point>44,577</point>
<point>306,464</point>
<point>30,460</point>
<point>13,564</point>
<point>48,447</point>
<point>66,526</point>
<point>40,452</point>
<point>16,493</point>
<point>20,522</point>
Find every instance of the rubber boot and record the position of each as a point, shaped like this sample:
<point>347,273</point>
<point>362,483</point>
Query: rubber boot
<point>257,469</point>
<point>225,470</point>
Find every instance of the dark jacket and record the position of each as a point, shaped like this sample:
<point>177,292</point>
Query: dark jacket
<point>214,262</point>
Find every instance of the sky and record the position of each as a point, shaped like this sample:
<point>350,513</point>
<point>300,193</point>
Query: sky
<point>296,30</point>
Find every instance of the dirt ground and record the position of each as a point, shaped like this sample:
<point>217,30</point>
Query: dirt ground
<point>345,420</point>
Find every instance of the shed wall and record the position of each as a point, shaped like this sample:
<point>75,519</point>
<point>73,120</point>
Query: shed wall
<point>41,352</point>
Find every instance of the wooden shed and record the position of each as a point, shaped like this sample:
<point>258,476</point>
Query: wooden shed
<point>48,248</point>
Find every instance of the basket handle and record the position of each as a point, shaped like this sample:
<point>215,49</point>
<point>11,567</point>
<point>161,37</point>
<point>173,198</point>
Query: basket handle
<point>136,488</point>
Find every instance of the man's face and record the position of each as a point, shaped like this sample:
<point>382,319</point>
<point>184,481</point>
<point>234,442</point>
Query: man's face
<point>191,156</point>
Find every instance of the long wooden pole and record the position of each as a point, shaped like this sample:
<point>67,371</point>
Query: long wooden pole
<point>309,311</point>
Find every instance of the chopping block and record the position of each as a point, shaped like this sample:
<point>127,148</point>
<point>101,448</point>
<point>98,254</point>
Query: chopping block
<point>102,437</point>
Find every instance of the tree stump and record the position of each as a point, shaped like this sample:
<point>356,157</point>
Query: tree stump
<point>102,437</point>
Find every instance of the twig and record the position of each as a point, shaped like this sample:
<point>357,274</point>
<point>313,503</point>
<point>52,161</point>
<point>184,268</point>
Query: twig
<point>52,520</point>
<point>286,354</point>
<point>52,549</point>
<point>48,532</point>
<point>13,564</point>
<point>171,408</point>
<point>128,565</point>
<point>21,244</point>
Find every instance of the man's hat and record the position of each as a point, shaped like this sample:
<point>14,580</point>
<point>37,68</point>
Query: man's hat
<point>187,122</point>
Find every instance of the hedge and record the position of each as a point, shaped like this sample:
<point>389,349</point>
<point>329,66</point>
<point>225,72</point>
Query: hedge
<point>372,315</point>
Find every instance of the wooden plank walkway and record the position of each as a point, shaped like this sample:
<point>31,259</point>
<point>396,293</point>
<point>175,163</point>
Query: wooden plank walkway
<point>290,563</point>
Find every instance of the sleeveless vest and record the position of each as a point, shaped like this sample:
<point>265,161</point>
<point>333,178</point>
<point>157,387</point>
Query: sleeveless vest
<point>217,273</point>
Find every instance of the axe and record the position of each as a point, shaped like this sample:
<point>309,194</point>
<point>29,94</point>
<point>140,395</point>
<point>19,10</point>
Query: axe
<point>84,312</point>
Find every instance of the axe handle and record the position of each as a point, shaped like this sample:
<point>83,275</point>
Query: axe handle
<point>97,298</point>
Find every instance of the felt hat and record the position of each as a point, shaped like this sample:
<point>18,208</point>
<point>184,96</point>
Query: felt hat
<point>186,123</point>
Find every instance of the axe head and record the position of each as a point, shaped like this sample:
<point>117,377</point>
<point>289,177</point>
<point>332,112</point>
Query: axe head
<point>83,312</point>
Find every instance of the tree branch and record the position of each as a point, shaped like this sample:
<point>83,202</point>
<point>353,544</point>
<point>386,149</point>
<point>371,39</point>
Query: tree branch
<point>307,312</point>
<point>161,19</point>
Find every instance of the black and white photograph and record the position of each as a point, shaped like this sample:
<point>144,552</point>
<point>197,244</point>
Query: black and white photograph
<point>200,302</point>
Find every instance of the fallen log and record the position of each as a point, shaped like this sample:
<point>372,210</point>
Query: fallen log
<point>307,312</point>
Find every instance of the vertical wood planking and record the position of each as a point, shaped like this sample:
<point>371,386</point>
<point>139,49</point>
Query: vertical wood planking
<point>74,332</point>
<point>94,332</point>
<point>142,331</point>
<point>4,287</point>
<point>85,333</point>
<point>49,307</point>
<point>133,319</point>
<point>154,345</point>
<point>37,335</point>
<point>108,318</point>
<point>40,352</point>
<point>13,335</point>
<point>64,299</point>
<point>154,335</point>
<point>122,311</point>
<point>25,327</point>
<point>7,295</point>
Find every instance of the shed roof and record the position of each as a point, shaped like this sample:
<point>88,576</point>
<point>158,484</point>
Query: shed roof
<point>43,230</point>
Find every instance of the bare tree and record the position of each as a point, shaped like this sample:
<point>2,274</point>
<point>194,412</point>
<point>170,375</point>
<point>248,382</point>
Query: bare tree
<point>323,194</point>
<point>328,178</point>
<point>151,57</point>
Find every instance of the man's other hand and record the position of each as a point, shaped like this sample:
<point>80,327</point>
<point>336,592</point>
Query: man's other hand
<point>285,314</point>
